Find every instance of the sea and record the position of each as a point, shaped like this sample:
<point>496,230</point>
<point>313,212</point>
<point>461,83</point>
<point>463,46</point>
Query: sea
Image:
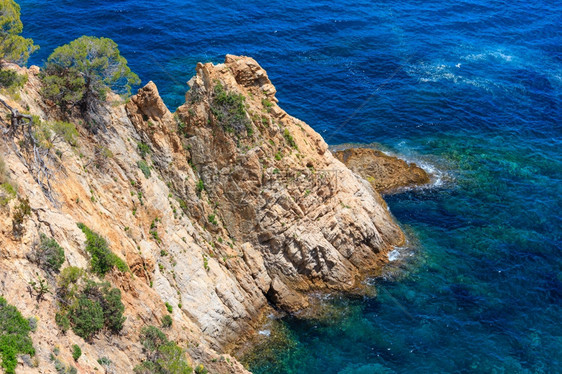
<point>469,89</point>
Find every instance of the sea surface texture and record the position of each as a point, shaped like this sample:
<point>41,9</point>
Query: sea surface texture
<point>472,90</point>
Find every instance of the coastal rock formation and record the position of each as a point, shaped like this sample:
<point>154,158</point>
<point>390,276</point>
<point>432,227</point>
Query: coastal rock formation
<point>385,173</point>
<point>222,210</point>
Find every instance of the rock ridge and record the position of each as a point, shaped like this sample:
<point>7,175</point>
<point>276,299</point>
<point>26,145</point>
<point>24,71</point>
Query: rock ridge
<point>241,208</point>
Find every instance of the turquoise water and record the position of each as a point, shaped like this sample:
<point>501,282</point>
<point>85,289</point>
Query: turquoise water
<point>470,89</point>
<point>478,291</point>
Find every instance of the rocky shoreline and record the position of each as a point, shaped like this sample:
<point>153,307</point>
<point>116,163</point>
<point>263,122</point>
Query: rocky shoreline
<point>387,174</point>
<point>223,210</point>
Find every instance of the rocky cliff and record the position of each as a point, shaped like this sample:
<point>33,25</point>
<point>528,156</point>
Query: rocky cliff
<point>223,210</point>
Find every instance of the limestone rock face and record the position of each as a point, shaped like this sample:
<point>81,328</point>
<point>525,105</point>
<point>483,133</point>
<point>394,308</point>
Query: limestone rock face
<point>241,208</point>
<point>385,173</point>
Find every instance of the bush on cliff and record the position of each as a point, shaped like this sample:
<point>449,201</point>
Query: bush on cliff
<point>86,317</point>
<point>65,131</point>
<point>76,352</point>
<point>14,336</point>
<point>48,254</point>
<point>13,47</point>
<point>83,72</point>
<point>229,109</point>
<point>11,79</point>
<point>102,259</point>
<point>162,355</point>
<point>87,306</point>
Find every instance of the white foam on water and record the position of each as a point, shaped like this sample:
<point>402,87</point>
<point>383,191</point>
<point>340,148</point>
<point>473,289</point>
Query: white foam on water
<point>433,73</point>
<point>265,332</point>
<point>498,54</point>
<point>394,255</point>
<point>437,177</point>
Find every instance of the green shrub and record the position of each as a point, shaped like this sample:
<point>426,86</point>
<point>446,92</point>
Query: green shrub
<point>206,263</point>
<point>66,131</point>
<point>229,109</point>
<point>152,338</point>
<point>200,187</point>
<point>102,259</point>
<point>167,321</point>
<point>168,307</point>
<point>61,319</point>
<point>87,317</point>
<point>11,79</point>
<point>39,287</point>
<point>14,336</point>
<point>213,219</point>
<point>144,149</point>
<point>76,352</point>
<point>68,284</point>
<point>88,306</point>
<point>104,361</point>
<point>143,166</point>
<point>162,356</point>
<point>18,217</point>
<point>60,366</point>
<point>200,369</point>
<point>113,309</point>
<point>289,138</point>
<point>48,254</point>
<point>267,104</point>
<point>33,323</point>
<point>9,191</point>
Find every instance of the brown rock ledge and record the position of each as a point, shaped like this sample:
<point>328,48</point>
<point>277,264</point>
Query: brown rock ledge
<point>385,173</point>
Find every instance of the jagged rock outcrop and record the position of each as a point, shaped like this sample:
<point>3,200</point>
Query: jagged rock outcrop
<point>386,173</point>
<point>223,209</point>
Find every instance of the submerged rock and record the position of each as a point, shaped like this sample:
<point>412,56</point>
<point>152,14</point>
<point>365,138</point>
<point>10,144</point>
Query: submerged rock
<point>385,173</point>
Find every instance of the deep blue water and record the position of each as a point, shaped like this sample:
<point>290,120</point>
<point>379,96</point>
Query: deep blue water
<point>472,89</point>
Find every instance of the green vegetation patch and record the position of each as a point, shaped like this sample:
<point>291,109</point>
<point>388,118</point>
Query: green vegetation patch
<point>48,254</point>
<point>168,307</point>
<point>290,140</point>
<point>102,259</point>
<point>143,166</point>
<point>87,306</point>
<point>12,80</point>
<point>82,72</point>
<point>229,109</point>
<point>14,336</point>
<point>167,321</point>
<point>23,209</point>
<point>65,131</point>
<point>144,149</point>
<point>13,47</point>
<point>9,192</point>
<point>162,356</point>
<point>76,352</point>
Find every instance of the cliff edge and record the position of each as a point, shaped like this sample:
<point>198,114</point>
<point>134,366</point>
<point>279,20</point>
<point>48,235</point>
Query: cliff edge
<point>222,210</point>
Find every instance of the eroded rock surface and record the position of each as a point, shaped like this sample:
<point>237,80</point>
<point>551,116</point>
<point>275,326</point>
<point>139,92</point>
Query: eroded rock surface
<point>243,208</point>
